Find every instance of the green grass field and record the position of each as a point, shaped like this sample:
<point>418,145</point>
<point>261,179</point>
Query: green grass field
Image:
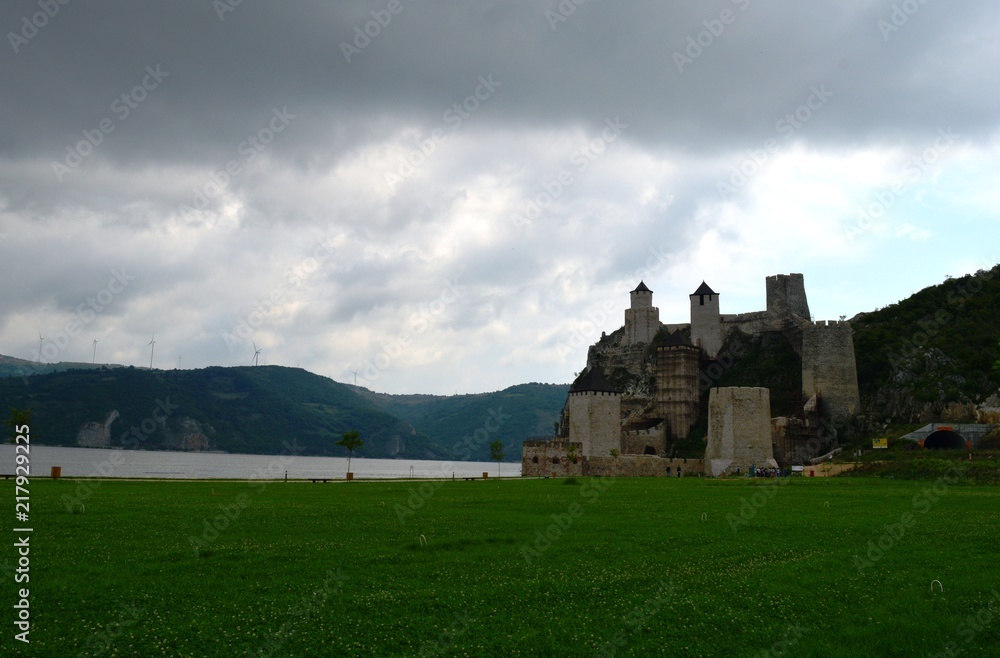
<point>629,567</point>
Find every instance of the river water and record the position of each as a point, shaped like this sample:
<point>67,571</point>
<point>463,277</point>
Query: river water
<point>95,462</point>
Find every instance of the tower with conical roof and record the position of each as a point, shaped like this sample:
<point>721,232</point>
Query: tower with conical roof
<point>706,322</point>
<point>595,410</point>
<point>642,320</point>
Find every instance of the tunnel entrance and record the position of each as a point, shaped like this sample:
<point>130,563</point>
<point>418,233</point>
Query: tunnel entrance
<point>649,450</point>
<point>944,440</point>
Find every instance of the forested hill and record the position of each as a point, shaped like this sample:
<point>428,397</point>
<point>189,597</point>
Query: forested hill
<point>933,355</point>
<point>471,422</point>
<point>244,409</point>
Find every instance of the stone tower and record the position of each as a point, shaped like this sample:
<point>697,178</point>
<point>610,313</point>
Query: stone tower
<point>642,320</point>
<point>786,296</point>
<point>706,323</point>
<point>595,414</point>
<point>829,369</point>
<point>677,388</point>
<point>739,430</point>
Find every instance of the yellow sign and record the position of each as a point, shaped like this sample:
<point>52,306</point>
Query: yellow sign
<point>880,443</point>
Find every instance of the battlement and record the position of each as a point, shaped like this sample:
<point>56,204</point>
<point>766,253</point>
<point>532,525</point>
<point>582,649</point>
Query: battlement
<point>594,393</point>
<point>831,323</point>
<point>786,295</point>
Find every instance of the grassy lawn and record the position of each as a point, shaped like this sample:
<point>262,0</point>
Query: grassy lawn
<point>630,567</point>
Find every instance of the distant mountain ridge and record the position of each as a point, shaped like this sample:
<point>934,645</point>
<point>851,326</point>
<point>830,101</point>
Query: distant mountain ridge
<point>265,409</point>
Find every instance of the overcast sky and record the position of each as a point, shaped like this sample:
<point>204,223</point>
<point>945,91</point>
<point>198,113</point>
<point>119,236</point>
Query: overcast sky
<point>459,196</point>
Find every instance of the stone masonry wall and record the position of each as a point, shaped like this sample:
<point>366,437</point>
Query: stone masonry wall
<point>829,368</point>
<point>595,421</point>
<point>739,430</point>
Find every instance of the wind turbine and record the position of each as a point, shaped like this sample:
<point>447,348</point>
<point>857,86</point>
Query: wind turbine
<point>40,339</point>
<point>256,352</point>
<point>355,377</point>
<point>94,360</point>
<point>152,346</point>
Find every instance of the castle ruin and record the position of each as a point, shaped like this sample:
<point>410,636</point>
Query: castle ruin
<point>644,387</point>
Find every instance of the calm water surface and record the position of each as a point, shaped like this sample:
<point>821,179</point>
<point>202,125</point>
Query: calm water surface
<point>93,462</point>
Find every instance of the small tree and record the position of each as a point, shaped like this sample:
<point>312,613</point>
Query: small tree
<point>18,418</point>
<point>496,453</point>
<point>350,440</point>
<point>570,456</point>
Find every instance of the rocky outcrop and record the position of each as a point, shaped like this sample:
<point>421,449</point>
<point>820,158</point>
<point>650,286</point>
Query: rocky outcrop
<point>96,435</point>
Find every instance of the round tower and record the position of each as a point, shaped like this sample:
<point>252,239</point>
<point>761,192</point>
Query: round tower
<point>706,322</point>
<point>595,414</point>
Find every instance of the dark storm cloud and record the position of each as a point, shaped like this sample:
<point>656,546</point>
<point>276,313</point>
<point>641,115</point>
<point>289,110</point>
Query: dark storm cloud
<point>211,146</point>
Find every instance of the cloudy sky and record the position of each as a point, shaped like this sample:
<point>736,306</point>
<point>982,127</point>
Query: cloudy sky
<point>458,196</point>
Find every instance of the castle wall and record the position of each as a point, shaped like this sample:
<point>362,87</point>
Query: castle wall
<point>642,466</point>
<point>751,324</point>
<point>786,295</point>
<point>677,388</point>
<point>595,421</point>
<point>829,369</point>
<point>739,430</point>
<point>537,461</point>
<point>545,458</point>
<point>636,442</point>
<point>796,441</point>
<point>641,325</point>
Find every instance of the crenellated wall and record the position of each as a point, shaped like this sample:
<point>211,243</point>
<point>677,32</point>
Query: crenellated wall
<point>595,419</point>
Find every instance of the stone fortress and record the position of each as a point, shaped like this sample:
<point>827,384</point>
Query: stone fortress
<point>643,391</point>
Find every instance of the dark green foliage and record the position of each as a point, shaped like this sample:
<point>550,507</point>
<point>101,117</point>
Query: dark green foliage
<point>350,441</point>
<point>17,418</point>
<point>650,566</point>
<point>767,360</point>
<point>244,410</point>
<point>936,347</point>
<point>465,424</point>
